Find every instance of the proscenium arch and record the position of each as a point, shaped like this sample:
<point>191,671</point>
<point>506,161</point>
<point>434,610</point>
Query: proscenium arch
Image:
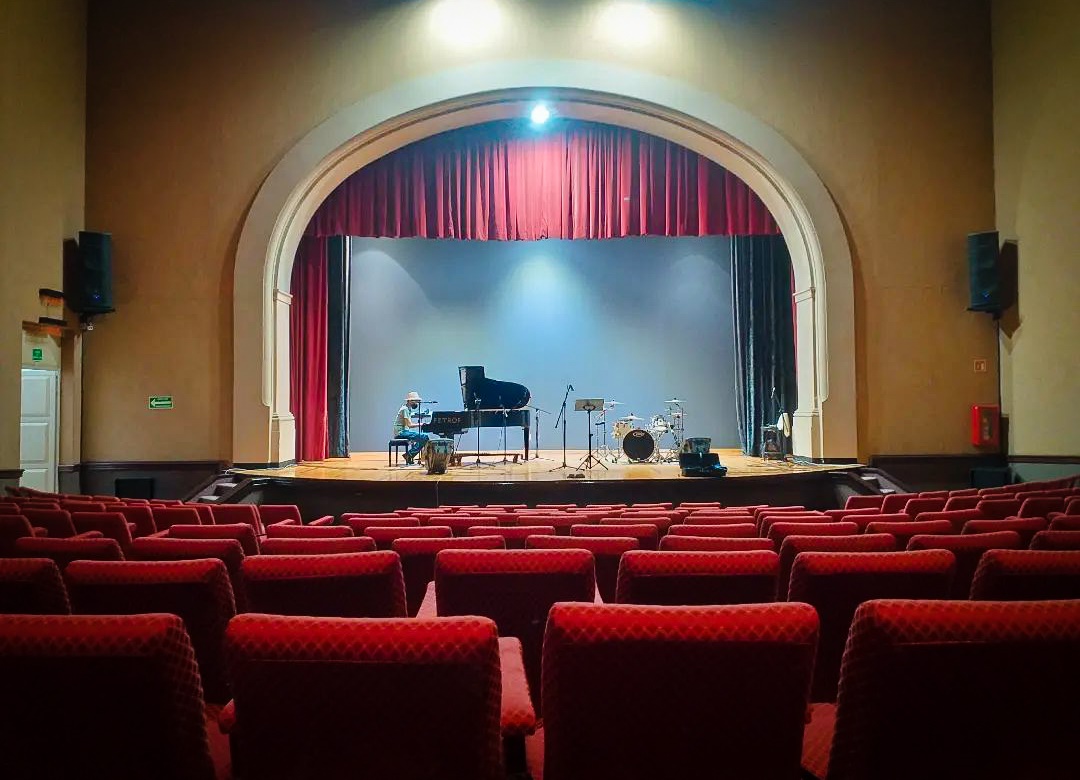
<point>824,425</point>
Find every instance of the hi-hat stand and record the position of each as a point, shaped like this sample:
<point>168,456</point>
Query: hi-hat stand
<point>589,405</point>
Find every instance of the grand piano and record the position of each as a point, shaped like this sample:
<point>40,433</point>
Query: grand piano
<point>489,403</point>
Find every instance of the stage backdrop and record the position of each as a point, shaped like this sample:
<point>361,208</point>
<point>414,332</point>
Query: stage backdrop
<point>638,320</point>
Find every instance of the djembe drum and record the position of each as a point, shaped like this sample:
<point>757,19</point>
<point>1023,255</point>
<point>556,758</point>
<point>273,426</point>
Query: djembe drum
<point>437,454</point>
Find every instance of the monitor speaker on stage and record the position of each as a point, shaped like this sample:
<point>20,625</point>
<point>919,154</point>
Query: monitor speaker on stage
<point>88,274</point>
<point>984,273</point>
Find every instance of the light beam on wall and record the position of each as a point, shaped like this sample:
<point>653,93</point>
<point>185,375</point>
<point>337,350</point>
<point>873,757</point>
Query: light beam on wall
<point>466,23</point>
<point>629,23</point>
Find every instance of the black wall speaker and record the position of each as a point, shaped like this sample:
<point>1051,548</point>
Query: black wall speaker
<point>88,274</point>
<point>984,272</point>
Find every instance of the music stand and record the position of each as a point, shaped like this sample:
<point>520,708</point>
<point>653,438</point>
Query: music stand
<point>589,405</point>
<point>476,420</point>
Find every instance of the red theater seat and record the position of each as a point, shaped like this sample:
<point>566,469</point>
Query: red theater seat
<point>241,532</point>
<point>765,522</point>
<point>348,585</point>
<point>316,546</point>
<point>675,692</point>
<point>227,514</point>
<point>101,697</point>
<point>32,586</point>
<point>139,516</point>
<point>1027,527</point>
<point>384,537</point>
<point>198,591</point>
<point>359,525</point>
<point>411,699</point>
<point>607,553</point>
<point>958,518</point>
<point>167,516</point>
<point>778,532</point>
<point>418,561</point>
<point>514,536</point>
<point>835,584</point>
<point>64,551</point>
<point>111,525</point>
<point>726,518</point>
<point>895,502</point>
<point>734,531</point>
<point>1027,575</point>
<point>864,502</point>
<point>228,551</point>
<point>916,506</point>
<point>903,531</point>
<point>968,549</point>
<point>678,543</point>
<point>956,503</point>
<point>515,588</point>
<point>279,513</point>
<point>14,527</point>
<point>1041,507</point>
<point>689,578</point>
<point>308,531</point>
<point>56,522</point>
<point>954,689</point>
<point>999,508</point>
<point>1044,540</point>
<point>795,544</point>
<point>1065,523</point>
<point>648,535</point>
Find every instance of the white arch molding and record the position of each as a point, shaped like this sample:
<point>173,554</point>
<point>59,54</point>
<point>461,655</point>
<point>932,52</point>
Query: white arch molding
<point>825,422</point>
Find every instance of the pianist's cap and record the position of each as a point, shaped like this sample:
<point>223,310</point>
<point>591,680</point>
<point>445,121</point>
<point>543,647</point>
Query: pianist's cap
<point>413,396</point>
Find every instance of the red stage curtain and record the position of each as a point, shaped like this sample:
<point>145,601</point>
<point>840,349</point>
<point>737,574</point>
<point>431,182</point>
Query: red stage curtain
<point>308,340</point>
<point>507,181</point>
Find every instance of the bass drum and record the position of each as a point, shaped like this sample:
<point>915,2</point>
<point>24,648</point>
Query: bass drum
<point>639,445</point>
<point>437,454</point>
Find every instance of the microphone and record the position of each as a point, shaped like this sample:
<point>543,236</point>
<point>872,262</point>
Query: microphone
<point>571,387</point>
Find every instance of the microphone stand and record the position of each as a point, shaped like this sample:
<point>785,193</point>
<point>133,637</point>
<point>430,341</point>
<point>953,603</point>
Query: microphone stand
<point>562,417</point>
<point>536,434</point>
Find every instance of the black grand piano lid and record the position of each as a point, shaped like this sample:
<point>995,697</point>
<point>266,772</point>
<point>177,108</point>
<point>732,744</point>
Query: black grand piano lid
<point>477,391</point>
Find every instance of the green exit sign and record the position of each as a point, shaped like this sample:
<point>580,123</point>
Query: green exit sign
<point>161,402</point>
<point>37,354</point>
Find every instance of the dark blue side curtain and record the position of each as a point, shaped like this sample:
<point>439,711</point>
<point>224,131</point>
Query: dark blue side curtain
<point>337,347</point>
<point>764,335</point>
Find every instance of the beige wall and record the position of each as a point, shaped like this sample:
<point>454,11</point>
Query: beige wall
<point>42,142</point>
<point>1037,180</point>
<point>190,107</point>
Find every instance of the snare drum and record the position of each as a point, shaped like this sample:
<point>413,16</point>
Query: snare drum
<point>639,445</point>
<point>437,454</point>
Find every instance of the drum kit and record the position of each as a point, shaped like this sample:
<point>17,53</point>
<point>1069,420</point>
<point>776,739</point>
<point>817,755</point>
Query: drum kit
<point>640,439</point>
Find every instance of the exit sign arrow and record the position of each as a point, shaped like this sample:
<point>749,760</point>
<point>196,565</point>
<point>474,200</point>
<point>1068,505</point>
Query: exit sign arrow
<point>161,402</point>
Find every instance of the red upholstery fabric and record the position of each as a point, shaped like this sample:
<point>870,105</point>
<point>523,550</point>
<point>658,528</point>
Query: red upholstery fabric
<point>13,527</point>
<point>662,521</point>
<point>228,551</point>
<point>766,522</point>
<point>418,561</point>
<point>958,518</point>
<point>421,698</point>
<point>275,513</point>
<point>733,531</point>
<point>348,585</point>
<point>731,518</point>
<point>765,508</point>
<point>198,591</point>
<point>1026,527</point>
<point>241,532</point>
<point>962,502</point>
<point>1065,523</point>
<point>515,588</point>
<point>607,553</point>
<point>968,549</point>
<point>863,520</point>
<point>1041,506</point>
<point>111,525</point>
<point>64,551</point>
<point>226,514</point>
<point>57,522</point>
<point>82,506</point>
<point>840,514</point>
<point>384,537</point>
<point>140,516</point>
<point>101,697</point>
<point>678,542</point>
<point>1027,575</point>
<point>835,584</point>
<point>514,536</point>
<point>206,513</point>
<point>166,516</point>
<point>967,673</point>
<point>646,533</point>
<point>359,525</point>
<point>895,502</point>
<point>934,494</point>
<point>307,531</point>
<point>795,544</point>
<point>676,692</point>
<point>32,586</point>
<point>903,531</point>
<point>332,546</point>
<point>916,506</point>
<point>778,532</point>
<point>999,508</point>
<point>1044,540</point>
<point>689,578</point>
<point>864,502</point>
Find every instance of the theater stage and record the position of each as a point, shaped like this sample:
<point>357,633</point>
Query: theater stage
<point>364,482</point>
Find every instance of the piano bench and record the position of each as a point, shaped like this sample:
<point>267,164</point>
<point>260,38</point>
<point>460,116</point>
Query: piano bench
<point>393,448</point>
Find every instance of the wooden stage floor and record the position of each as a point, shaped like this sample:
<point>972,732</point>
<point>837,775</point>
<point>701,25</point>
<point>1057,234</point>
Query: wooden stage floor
<point>371,467</point>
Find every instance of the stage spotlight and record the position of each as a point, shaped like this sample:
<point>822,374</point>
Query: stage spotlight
<point>540,114</point>
<point>466,23</point>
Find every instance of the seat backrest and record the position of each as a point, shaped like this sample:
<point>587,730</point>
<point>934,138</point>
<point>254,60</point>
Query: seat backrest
<point>248,514</point>
<point>1065,523</point>
<point>127,685</point>
<point>962,502</point>
<point>778,532</point>
<point>732,531</point>
<point>198,591</point>
<point>968,549</point>
<point>1043,540</point>
<point>835,584</point>
<point>111,525</point>
<point>167,516</point>
<point>795,544</point>
<point>607,553</point>
<point>241,532</point>
<point>514,536</point>
<point>56,521</point>
<point>647,534</point>
<point>864,502</point>
<point>314,546</point>
<point>958,518</point>
<point>679,542</point>
<point>385,536</point>
<point>1026,527</point>
<point>916,506</point>
<point>359,525</point>
<point>766,522</point>
<point>662,692</point>
<point>904,530</point>
<point>275,513</point>
<point>140,516</point>
<point>228,551</point>
<point>689,578</point>
<point>64,551</point>
<point>1041,506</point>
<point>393,680</point>
<point>979,689</point>
<point>895,502</point>
<point>999,508</point>
<point>308,531</point>
<point>720,518</point>
<point>347,585</point>
<point>12,527</point>
<point>418,560</point>
<point>515,588</point>
<point>82,506</point>
<point>1027,575</point>
<point>32,586</point>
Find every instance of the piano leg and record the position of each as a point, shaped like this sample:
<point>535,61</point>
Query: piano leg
<point>526,429</point>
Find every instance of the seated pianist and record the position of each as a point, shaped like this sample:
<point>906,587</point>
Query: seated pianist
<point>407,427</point>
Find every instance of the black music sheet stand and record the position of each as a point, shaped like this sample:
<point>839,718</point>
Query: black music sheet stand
<point>589,405</point>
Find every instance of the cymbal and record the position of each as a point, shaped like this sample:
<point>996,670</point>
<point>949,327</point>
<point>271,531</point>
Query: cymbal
<point>674,401</point>
<point>631,418</point>
<point>614,403</point>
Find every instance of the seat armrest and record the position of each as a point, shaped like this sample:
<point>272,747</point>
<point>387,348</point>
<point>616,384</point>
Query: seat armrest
<point>287,521</point>
<point>89,535</point>
<point>159,534</point>
<point>227,717</point>
<point>324,520</point>
<point>518,715</point>
<point>39,531</point>
<point>427,606</point>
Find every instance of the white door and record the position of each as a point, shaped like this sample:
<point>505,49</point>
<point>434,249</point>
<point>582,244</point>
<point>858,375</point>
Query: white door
<point>39,428</point>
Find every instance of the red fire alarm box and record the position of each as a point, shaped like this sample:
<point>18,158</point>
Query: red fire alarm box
<point>986,425</point>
